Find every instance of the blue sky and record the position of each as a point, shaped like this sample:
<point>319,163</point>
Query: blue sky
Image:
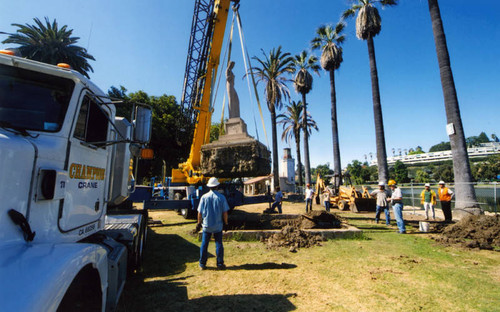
<point>142,45</point>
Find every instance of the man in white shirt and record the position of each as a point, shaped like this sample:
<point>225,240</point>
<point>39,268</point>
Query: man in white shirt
<point>309,198</point>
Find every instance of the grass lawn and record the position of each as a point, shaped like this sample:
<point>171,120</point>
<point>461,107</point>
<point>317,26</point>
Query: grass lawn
<point>383,271</point>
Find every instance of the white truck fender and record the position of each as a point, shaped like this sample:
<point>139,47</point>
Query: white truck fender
<point>35,277</point>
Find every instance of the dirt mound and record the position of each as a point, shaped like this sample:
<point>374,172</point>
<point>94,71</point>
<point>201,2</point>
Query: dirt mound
<point>293,238</point>
<point>319,219</point>
<point>473,232</point>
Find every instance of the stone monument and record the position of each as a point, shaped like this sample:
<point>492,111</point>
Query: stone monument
<point>235,154</point>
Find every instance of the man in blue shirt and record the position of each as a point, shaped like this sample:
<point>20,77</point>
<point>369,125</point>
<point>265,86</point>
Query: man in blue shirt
<point>278,198</point>
<point>212,216</point>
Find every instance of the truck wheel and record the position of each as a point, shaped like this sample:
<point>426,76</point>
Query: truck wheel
<point>84,293</point>
<point>187,213</point>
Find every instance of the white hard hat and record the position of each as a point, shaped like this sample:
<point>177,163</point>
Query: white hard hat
<point>428,184</point>
<point>381,183</point>
<point>213,182</point>
<point>441,182</point>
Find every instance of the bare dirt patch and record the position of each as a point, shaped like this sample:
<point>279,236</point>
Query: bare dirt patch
<point>292,235</point>
<point>473,232</point>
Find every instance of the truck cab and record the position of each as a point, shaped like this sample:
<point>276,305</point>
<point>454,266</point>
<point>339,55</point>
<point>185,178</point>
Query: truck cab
<point>64,159</point>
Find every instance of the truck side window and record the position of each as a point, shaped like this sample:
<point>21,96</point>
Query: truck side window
<point>92,123</point>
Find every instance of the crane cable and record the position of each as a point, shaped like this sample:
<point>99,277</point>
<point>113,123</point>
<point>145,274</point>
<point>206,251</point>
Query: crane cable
<point>246,58</point>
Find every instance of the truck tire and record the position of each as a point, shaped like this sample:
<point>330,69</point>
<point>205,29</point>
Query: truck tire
<point>84,293</point>
<point>188,213</point>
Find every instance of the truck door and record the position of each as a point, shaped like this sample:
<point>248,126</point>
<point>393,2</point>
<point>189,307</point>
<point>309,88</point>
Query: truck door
<point>87,168</point>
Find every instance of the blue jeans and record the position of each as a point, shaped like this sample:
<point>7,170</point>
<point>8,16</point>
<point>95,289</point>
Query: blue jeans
<point>276,204</point>
<point>309,203</point>
<point>219,249</point>
<point>387,214</point>
<point>327,206</point>
<point>398,213</point>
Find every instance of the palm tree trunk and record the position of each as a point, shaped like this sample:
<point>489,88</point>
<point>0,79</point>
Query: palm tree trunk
<point>383,172</point>
<point>306,142</point>
<point>275,148</point>
<point>464,190</point>
<point>335,133</point>
<point>299,161</point>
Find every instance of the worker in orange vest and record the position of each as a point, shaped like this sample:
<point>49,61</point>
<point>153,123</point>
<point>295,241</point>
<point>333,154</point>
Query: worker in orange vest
<point>445,195</point>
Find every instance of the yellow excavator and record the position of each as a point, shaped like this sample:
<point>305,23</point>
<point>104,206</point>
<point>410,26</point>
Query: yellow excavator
<point>348,197</point>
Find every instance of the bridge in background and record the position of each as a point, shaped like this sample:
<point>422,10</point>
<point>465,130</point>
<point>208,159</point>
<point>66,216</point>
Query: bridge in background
<point>486,149</point>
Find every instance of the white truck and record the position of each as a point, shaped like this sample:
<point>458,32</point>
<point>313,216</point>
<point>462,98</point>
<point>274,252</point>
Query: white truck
<point>64,162</point>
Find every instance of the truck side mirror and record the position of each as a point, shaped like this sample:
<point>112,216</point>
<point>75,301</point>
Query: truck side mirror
<point>143,124</point>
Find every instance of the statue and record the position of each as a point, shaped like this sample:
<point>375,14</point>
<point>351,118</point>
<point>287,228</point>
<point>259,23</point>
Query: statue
<point>234,102</point>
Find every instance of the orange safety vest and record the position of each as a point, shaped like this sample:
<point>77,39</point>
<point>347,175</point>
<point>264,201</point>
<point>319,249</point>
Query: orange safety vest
<point>443,194</point>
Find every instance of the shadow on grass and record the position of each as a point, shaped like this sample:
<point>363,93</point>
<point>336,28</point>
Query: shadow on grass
<point>259,266</point>
<point>167,254</point>
<point>193,222</point>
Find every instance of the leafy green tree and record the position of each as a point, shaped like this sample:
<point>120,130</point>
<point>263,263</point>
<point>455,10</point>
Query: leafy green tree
<point>400,172</point>
<point>216,130</point>
<point>443,172</point>
<point>292,125</point>
<point>358,172</point>
<point>50,44</point>
<point>170,139</point>
<point>303,81</point>
<point>421,176</point>
<point>487,170</point>
<point>329,40</point>
<point>443,146</point>
<point>417,150</point>
<point>322,170</point>
<point>272,70</point>
<point>368,25</point>
<point>464,190</point>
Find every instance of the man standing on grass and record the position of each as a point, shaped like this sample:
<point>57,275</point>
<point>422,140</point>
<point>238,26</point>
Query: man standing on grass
<point>445,195</point>
<point>212,217</point>
<point>309,198</point>
<point>397,206</point>
<point>382,194</point>
<point>428,199</point>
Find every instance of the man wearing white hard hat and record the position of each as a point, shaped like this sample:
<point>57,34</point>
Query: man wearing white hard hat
<point>212,217</point>
<point>445,196</point>
<point>382,194</point>
<point>428,199</point>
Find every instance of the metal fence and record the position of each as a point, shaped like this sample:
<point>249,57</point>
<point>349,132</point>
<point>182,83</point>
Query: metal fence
<point>487,195</point>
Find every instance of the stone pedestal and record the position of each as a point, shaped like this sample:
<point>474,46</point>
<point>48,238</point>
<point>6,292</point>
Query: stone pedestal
<point>235,154</point>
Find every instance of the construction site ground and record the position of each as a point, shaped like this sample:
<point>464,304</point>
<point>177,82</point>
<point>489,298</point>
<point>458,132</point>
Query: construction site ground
<point>379,270</point>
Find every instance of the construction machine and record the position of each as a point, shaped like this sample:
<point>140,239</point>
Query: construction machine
<point>65,162</point>
<point>348,197</point>
<point>226,159</point>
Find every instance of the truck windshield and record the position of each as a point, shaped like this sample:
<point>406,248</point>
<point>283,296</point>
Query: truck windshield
<point>33,101</point>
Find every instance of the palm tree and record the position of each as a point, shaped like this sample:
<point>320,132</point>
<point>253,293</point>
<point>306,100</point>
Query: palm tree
<point>292,124</point>
<point>329,40</point>
<point>303,84</point>
<point>272,70</point>
<point>368,25</point>
<point>464,190</point>
<point>50,44</point>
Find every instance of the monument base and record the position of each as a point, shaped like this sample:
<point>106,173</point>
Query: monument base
<point>235,154</point>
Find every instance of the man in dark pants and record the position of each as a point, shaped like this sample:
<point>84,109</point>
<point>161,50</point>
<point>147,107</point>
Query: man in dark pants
<point>212,217</point>
<point>445,196</point>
